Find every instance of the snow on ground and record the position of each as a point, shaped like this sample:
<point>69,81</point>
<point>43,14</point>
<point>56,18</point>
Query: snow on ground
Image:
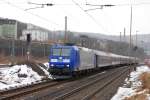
<point>18,75</point>
<point>131,84</point>
<point>47,65</point>
<point>46,70</point>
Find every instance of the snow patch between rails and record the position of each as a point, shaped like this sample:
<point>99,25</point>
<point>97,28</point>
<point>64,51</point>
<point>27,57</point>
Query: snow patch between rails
<point>18,75</point>
<point>131,84</point>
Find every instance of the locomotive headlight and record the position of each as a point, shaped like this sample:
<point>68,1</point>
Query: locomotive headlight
<point>54,60</point>
<point>52,65</point>
<point>67,65</point>
<point>66,60</point>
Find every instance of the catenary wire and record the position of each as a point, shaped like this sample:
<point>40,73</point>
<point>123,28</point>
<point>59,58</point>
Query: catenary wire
<point>40,17</point>
<point>90,16</point>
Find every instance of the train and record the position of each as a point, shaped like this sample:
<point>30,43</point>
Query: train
<point>68,60</point>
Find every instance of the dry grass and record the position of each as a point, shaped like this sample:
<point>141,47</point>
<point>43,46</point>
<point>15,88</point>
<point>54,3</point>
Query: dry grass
<point>141,96</point>
<point>145,80</point>
<point>8,59</point>
<point>34,59</point>
<point>4,60</point>
<point>40,60</point>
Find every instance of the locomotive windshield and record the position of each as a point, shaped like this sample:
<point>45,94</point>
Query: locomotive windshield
<point>56,52</point>
<point>65,52</point>
<point>61,52</point>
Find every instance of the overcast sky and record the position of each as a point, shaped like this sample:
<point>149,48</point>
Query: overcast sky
<point>110,20</point>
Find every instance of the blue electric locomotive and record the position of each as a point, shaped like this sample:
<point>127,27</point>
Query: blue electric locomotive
<point>63,59</point>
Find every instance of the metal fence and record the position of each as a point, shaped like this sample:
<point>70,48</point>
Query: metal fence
<point>37,50</point>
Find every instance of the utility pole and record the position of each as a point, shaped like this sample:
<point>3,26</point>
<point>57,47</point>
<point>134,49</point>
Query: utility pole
<point>124,34</point>
<point>65,37</point>
<point>120,47</point>
<point>130,48</point>
<point>136,37</point>
<point>130,30</point>
<point>136,47</point>
<point>120,37</point>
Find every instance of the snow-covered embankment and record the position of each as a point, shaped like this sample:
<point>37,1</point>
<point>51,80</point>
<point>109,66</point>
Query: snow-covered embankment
<point>133,88</point>
<point>19,75</point>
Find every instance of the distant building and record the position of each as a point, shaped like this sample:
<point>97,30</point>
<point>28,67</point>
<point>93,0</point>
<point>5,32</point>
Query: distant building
<point>14,29</point>
<point>37,33</point>
<point>11,28</point>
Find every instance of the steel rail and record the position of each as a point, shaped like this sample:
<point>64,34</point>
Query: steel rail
<point>65,95</point>
<point>89,96</point>
<point>30,90</point>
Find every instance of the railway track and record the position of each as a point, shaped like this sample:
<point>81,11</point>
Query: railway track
<point>55,87</point>
<point>67,89</point>
<point>4,66</point>
<point>18,92</point>
<point>87,91</point>
<point>78,89</point>
<point>33,87</point>
<point>22,91</point>
<point>106,86</point>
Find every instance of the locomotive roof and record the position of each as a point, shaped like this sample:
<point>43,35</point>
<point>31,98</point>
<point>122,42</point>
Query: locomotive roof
<point>65,46</point>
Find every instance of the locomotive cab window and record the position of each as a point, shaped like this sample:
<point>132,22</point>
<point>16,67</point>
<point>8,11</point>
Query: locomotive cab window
<point>65,52</point>
<point>56,52</point>
<point>61,51</point>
